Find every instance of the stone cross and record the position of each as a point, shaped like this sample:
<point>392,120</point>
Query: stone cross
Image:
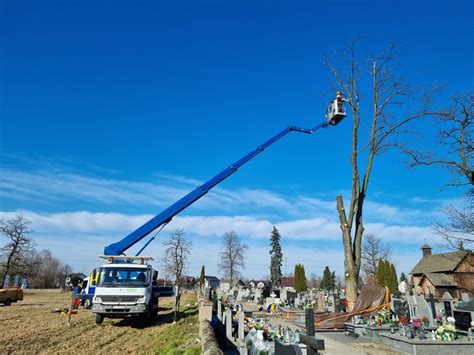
<point>228,323</point>
<point>432,303</point>
<point>241,323</point>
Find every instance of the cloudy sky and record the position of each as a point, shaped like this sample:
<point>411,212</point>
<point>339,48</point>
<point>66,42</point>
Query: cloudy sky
<point>110,113</point>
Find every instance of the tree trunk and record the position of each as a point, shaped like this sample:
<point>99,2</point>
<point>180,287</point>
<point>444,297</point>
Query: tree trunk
<point>350,265</point>
<point>352,285</point>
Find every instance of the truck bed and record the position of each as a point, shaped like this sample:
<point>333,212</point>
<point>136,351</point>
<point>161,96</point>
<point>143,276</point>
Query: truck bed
<point>10,295</point>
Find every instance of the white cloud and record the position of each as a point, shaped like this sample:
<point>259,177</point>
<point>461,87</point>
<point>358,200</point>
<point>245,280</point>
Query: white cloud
<point>78,237</point>
<point>84,222</point>
<point>50,186</point>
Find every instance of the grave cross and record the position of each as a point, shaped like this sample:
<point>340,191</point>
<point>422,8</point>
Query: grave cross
<point>432,303</point>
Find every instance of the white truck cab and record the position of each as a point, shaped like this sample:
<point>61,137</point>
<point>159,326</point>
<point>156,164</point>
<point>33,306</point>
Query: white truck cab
<point>126,286</point>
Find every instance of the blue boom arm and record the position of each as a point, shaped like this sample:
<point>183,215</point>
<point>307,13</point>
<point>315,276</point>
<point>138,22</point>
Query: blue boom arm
<point>165,216</point>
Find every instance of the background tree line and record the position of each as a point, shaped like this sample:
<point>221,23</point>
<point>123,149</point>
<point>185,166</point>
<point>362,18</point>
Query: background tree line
<point>18,256</point>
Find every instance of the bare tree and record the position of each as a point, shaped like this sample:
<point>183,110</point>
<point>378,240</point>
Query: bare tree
<point>15,255</point>
<point>388,119</point>
<point>232,256</point>
<point>456,139</point>
<point>47,270</point>
<point>372,252</point>
<point>455,152</point>
<point>174,261</point>
<point>459,230</point>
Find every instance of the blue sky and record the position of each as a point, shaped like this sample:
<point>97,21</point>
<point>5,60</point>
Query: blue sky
<point>111,111</point>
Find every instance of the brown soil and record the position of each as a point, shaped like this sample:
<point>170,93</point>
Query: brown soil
<point>31,326</point>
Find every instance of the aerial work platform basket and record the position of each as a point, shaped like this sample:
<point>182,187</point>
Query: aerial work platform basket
<point>112,259</point>
<point>336,110</point>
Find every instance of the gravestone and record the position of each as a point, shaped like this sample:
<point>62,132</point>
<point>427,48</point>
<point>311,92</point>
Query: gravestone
<point>228,323</point>
<point>400,307</point>
<point>241,323</point>
<point>330,304</point>
<point>286,349</point>
<point>219,310</point>
<point>448,304</point>
<point>309,320</point>
<point>419,308</point>
<point>465,297</point>
<point>321,302</point>
<point>462,319</point>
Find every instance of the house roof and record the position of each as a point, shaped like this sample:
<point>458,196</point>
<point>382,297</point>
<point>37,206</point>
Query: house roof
<point>211,278</point>
<point>440,280</point>
<point>287,281</point>
<point>439,262</point>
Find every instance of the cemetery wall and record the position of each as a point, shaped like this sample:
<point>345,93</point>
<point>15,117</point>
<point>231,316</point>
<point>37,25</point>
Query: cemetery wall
<point>209,343</point>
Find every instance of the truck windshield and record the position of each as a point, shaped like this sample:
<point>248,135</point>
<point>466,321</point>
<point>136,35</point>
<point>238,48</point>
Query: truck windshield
<point>122,277</point>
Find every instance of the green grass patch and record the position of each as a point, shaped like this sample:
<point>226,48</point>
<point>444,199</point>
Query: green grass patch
<point>179,338</point>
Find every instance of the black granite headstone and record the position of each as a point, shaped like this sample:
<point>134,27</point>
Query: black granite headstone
<point>309,321</point>
<point>286,349</point>
<point>448,308</point>
<point>400,308</point>
<point>462,320</point>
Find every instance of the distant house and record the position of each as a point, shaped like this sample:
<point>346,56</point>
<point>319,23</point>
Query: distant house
<point>262,284</point>
<point>188,282</point>
<point>451,272</point>
<point>225,286</point>
<point>288,283</point>
<point>211,282</point>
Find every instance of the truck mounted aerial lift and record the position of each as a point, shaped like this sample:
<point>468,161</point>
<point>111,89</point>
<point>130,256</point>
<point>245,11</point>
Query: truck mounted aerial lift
<point>128,295</point>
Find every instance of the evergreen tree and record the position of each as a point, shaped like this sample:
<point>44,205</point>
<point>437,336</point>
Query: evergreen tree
<point>381,273</point>
<point>393,279</point>
<point>304,283</point>
<point>296,278</point>
<point>300,284</point>
<point>276,258</point>
<point>403,277</point>
<point>333,281</point>
<point>202,277</point>
<point>326,281</point>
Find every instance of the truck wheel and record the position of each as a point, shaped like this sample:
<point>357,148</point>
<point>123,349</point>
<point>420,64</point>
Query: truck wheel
<point>8,302</point>
<point>99,318</point>
<point>154,314</point>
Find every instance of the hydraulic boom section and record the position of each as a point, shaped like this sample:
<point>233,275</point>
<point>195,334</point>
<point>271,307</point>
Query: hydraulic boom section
<point>165,216</point>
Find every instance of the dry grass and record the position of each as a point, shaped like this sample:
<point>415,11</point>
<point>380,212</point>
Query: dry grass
<point>30,326</point>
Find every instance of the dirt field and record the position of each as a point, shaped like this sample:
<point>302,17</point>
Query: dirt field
<point>30,326</point>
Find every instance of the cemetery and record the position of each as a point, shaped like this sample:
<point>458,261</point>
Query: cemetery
<point>143,140</point>
<point>254,318</point>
